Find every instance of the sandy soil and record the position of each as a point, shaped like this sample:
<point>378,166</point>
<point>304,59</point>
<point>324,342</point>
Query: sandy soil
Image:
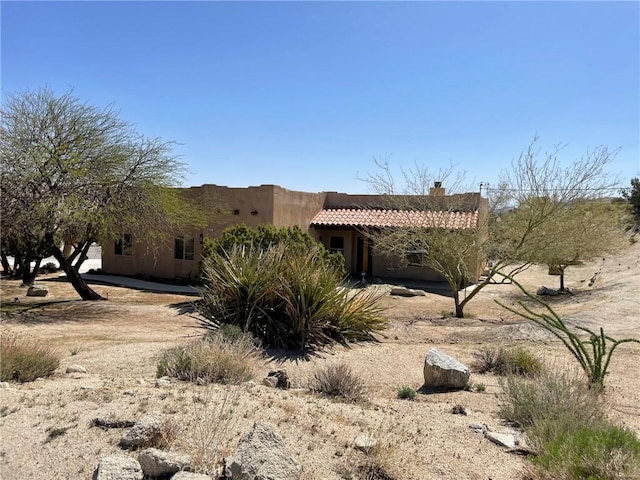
<point>118,341</point>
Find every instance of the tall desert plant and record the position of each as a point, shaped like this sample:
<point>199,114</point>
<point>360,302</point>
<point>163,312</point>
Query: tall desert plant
<point>593,355</point>
<point>24,358</point>
<point>287,298</point>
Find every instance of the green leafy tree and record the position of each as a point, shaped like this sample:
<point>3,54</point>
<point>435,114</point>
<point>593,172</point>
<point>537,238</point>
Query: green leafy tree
<point>73,174</point>
<point>534,194</point>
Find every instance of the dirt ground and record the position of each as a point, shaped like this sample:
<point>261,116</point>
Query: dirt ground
<point>118,342</point>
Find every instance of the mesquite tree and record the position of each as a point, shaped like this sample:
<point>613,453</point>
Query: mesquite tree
<point>535,195</point>
<point>73,174</point>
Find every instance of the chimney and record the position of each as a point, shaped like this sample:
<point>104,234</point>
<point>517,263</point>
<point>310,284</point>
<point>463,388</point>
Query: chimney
<point>436,190</point>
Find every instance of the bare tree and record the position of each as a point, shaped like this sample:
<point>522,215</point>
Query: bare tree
<point>73,174</point>
<point>533,197</point>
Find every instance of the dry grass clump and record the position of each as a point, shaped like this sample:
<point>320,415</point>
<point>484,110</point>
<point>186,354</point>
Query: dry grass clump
<point>24,358</point>
<point>338,381</point>
<point>565,421</point>
<point>507,361</point>
<point>211,359</point>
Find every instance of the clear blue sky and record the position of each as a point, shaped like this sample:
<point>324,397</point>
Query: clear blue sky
<point>304,95</point>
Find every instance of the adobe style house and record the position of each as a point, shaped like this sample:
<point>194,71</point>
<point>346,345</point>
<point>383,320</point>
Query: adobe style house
<point>340,221</point>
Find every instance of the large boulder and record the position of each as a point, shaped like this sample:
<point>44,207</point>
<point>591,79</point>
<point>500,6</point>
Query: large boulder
<point>118,467</point>
<point>156,463</point>
<point>262,455</point>
<point>444,372</point>
<point>145,431</point>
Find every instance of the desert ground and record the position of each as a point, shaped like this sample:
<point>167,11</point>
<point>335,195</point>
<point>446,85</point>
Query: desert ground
<point>118,341</point>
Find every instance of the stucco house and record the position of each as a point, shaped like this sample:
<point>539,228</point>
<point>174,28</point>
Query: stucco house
<point>340,221</point>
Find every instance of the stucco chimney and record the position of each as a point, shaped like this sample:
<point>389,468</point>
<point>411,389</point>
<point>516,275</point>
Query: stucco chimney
<point>437,190</point>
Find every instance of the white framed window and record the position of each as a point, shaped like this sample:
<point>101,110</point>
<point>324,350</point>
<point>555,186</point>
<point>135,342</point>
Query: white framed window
<point>123,245</point>
<point>184,248</point>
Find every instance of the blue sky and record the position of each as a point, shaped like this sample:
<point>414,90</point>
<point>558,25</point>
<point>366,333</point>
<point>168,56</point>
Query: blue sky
<point>306,94</point>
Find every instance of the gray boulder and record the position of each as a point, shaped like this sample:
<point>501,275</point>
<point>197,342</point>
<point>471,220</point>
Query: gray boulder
<point>144,432</point>
<point>37,291</point>
<point>444,372</point>
<point>262,455</point>
<point>76,369</point>
<point>504,439</point>
<point>156,463</point>
<point>118,467</point>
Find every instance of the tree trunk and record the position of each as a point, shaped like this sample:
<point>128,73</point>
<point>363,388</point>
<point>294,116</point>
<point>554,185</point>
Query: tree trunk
<point>6,266</point>
<point>459,306</point>
<point>28,274</point>
<point>562,279</point>
<point>78,283</point>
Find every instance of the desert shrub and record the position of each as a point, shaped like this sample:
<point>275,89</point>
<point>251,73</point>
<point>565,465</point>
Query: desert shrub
<point>287,298</point>
<point>406,393</point>
<point>600,452</point>
<point>212,359</point>
<point>25,358</point>
<point>49,267</point>
<point>338,381</point>
<point>505,361</point>
<point>549,401</point>
<point>267,235</point>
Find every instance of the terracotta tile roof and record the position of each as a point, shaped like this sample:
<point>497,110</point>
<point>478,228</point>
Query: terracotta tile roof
<point>394,218</point>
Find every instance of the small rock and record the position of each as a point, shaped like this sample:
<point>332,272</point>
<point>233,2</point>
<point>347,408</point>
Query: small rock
<point>144,432</point>
<point>76,369</point>
<point>283,379</point>
<point>119,467</point>
<point>37,291</point>
<point>364,443</point>
<point>130,393</point>
<point>542,291</point>
<point>339,453</point>
<point>459,410</point>
<point>156,463</point>
<point>270,382</point>
<point>249,385</point>
<point>504,439</point>
<point>201,381</point>
<point>163,381</point>
<point>478,428</point>
<point>4,384</point>
<point>262,455</point>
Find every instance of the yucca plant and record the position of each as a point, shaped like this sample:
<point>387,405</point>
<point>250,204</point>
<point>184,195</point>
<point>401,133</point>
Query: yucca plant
<point>286,297</point>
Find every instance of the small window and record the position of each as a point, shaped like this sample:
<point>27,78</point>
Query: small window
<point>416,254</point>
<point>184,248</point>
<point>336,245</point>
<point>123,245</point>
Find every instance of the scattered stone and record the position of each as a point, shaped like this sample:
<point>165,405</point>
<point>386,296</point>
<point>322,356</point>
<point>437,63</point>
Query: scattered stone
<point>364,443</point>
<point>76,369</point>
<point>270,382</point>
<point>37,291</point>
<point>144,432</point>
<point>282,378</point>
<point>504,439</point>
<point>459,410</point>
<point>102,423</point>
<point>544,291</point>
<point>478,428</point>
<point>130,393</point>
<point>119,467</point>
<point>262,455</point>
<point>4,384</point>
<point>406,292</point>
<point>142,381</point>
<point>190,476</point>
<point>156,463</point>
<point>339,453</point>
<point>201,381</point>
<point>163,381</point>
<point>249,385</point>
<point>444,372</point>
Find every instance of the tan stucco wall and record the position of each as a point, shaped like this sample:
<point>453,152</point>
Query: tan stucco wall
<point>295,208</point>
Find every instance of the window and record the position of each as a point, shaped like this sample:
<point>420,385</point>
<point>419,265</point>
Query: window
<point>416,254</point>
<point>123,245</point>
<point>336,245</point>
<point>184,248</point>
